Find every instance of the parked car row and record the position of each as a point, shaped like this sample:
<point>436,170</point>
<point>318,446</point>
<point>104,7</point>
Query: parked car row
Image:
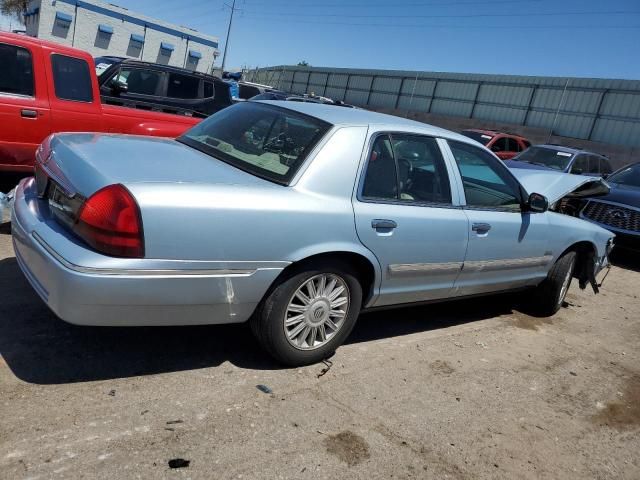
<point>619,211</point>
<point>226,222</point>
<point>46,87</point>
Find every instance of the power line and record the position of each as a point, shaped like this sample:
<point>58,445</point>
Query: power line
<point>397,3</point>
<point>470,15</point>
<point>491,27</point>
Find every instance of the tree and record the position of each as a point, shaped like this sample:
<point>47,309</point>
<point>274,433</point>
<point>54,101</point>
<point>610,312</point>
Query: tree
<point>14,8</point>
<point>303,63</point>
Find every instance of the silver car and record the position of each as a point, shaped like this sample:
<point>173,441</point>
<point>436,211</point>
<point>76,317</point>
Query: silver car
<point>294,217</point>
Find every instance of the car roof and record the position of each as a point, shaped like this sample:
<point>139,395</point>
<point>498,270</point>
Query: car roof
<point>573,150</point>
<point>338,115</point>
<point>494,133</point>
<point>43,43</point>
<point>168,68</point>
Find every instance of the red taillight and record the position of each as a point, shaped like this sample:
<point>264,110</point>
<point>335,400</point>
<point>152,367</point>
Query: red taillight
<point>110,222</point>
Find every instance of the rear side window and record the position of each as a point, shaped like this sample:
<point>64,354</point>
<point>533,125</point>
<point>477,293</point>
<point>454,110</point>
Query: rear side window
<point>407,168</point>
<point>16,73</point>
<point>71,78</point>
<point>208,89</point>
<point>605,167</point>
<point>183,86</point>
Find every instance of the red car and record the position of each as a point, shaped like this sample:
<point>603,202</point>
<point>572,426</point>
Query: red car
<point>504,145</point>
<point>46,88</point>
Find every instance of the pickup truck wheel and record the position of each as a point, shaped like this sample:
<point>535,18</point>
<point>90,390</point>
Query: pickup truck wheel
<point>550,294</point>
<point>309,313</point>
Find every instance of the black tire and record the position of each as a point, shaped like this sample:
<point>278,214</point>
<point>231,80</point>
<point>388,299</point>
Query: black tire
<point>267,323</point>
<point>550,294</point>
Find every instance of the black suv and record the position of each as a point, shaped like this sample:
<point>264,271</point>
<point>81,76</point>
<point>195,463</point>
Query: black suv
<point>161,88</point>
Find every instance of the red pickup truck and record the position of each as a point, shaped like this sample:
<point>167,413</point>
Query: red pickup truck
<point>47,88</point>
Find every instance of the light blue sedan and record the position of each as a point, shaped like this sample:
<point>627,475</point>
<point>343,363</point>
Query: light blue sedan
<point>294,217</point>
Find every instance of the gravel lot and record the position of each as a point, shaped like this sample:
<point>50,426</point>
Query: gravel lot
<point>464,390</point>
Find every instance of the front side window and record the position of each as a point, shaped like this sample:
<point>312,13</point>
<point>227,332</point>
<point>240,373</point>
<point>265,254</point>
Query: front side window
<point>580,165</point>
<point>138,81</point>
<point>16,73</point>
<point>265,140</point>
<point>183,86</point>
<point>487,183</point>
<point>71,78</point>
<point>500,145</point>
<point>514,145</point>
<point>208,90</point>
<point>594,165</point>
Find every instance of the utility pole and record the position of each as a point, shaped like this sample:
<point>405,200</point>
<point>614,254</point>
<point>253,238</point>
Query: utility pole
<point>226,43</point>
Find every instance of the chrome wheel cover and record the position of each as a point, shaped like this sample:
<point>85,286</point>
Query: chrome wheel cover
<point>316,311</point>
<point>565,285</point>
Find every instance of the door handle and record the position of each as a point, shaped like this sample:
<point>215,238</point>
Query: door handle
<point>481,227</point>
<point>26,113</point>
<point>383,224</point>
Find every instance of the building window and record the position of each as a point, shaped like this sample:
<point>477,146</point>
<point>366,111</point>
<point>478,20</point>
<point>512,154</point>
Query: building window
<point>137,38</point>
<point>63,20</point>
<point>166,48</point>
<point>106,29</point>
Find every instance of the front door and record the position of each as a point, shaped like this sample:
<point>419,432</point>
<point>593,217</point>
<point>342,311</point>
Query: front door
<point>405,215</point>
<point>507,246</point>
<point>24,107</point>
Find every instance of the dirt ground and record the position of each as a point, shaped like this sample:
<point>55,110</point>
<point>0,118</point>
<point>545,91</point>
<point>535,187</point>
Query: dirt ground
<point>465,390</point>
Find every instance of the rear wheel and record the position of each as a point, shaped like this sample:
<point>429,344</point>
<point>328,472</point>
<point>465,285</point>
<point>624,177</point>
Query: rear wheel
<point>309,313</point>
<point>550,294</point>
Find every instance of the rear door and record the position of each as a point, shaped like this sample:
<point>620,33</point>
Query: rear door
<point>74,95</point>
<point>407,214</point>
<point>25,117</point>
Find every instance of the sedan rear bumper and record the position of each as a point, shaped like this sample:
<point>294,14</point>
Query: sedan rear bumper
<point>129,292</point>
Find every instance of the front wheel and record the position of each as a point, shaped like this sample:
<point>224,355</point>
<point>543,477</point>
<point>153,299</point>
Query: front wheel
<point>309,313</point>
<point>550,294</point>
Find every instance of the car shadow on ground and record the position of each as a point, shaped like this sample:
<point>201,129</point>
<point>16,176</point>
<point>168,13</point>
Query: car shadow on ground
<point>627,259</point>
<point>39,348</point>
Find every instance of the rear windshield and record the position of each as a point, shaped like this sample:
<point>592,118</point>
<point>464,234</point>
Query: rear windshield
<point>482,138</point>
<point>268,141</point>
<point>546,157</point>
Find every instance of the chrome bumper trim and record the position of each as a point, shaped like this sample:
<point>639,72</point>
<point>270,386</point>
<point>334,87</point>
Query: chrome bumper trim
<point>141,272</point>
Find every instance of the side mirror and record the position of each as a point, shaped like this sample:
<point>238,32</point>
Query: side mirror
<point>537,203</point>
<point>495,148</point>
<point>605,176</point>
<point>576,171</point>
<point>119,87</point>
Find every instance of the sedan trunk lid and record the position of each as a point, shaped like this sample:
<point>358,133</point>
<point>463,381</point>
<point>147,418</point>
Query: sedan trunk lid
<point>87,162</point>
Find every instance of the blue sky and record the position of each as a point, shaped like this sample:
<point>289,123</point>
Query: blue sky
<point>586,38</point>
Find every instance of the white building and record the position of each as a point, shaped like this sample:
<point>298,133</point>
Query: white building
<point>105,29</point>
